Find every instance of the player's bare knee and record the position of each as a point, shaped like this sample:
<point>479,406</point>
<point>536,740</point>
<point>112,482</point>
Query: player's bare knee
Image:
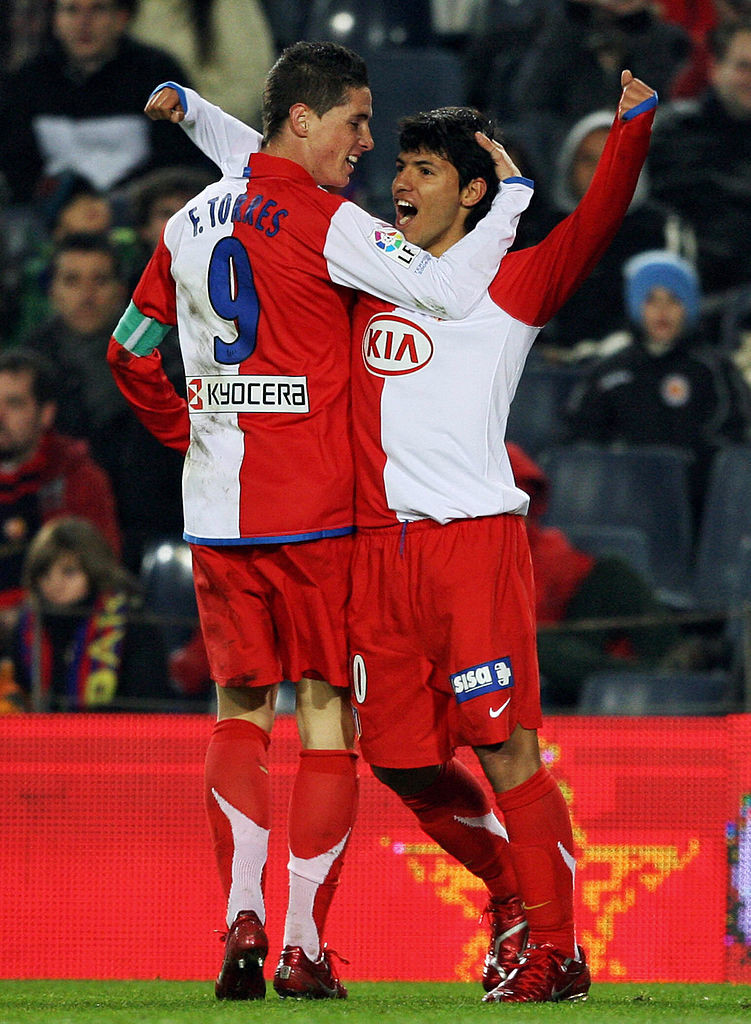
<point>255,703</point>
<point>324,716</point>
<point>510,763</point>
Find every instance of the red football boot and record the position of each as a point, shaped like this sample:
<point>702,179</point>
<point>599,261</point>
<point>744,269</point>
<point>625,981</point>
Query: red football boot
<point>508,937</point>
<point>298,977</point>
<point>544,975</point>
<point>241,974</point>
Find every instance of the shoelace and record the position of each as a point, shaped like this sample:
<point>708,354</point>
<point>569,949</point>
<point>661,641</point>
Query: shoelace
<point>536,962</point>
<point>327,952</point>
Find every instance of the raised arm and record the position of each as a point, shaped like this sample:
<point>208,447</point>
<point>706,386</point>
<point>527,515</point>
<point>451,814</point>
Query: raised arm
<point>227,141</point>
<point>361,251</point>
<point>223,138</point>
<point>535,282</point>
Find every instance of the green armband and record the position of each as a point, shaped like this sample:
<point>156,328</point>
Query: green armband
<point>139,334</point>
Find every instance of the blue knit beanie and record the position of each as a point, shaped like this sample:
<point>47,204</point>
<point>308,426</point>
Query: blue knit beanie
<point>658,268</point>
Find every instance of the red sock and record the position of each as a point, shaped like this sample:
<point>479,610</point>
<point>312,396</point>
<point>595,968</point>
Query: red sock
<point>238,803</point>
<point>542,847</point>
<point>456,812</point>
<point>322,812</point>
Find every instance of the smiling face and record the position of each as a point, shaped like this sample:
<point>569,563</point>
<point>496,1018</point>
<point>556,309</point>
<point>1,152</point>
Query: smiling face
<point>335,141</point>
<point>431,208</point>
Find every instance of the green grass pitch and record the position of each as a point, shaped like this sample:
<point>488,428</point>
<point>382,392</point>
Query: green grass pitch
<point>170,1002</point>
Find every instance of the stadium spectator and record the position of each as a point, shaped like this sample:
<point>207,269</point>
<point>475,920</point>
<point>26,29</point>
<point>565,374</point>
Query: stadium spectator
<point>228,47</point>
<point>281,478</point>
<point>80,643</point>
<point>152,199</point>
<point>665,387</point>
<point>597,308</point>
<point>132,227</point>
<point>696,16</point>
<point>43,474</point>
<point>87,294</point>
<point>572,585</point>
<point>76,108</point>
<point>700,19</point>
<point>500,34</point>
<point>598,39</point>
<point>700,162</point>
<point>24,29</point>
<point>79,209</point>
<point>84,210</point>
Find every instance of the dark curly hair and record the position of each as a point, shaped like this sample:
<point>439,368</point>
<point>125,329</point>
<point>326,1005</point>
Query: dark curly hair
<point>450,133</point>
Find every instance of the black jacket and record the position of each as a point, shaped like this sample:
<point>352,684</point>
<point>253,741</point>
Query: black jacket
<point>691,398</point>
<point>46,111</point>
<point>700,164</point>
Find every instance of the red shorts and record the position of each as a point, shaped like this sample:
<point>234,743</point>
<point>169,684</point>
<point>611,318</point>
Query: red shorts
<point>442,637</point>
<point>274,611</point>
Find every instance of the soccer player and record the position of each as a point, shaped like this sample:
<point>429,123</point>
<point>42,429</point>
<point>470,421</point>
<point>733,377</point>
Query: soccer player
<point>441,620</point>
<point>258,272</point>
<point>442,626</point>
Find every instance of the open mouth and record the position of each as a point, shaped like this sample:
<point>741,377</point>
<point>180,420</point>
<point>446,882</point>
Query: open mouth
<point>404,212</point>
<point>352,161</point>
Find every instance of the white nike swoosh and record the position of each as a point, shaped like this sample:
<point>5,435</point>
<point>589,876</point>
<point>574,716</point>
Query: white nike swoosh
<point>495,712</point>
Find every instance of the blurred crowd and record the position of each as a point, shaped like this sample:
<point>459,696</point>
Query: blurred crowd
<point>655,347</point>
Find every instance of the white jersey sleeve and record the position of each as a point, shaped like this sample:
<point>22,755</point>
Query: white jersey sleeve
<point>223,138</point>
<point>365,253</point>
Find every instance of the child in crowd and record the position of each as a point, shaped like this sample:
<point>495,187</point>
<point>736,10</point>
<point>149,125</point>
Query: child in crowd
<point>78,645</point>
<point>667,385</point>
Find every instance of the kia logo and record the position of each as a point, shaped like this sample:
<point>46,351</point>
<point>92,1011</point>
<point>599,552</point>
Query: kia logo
<point>392,346</point>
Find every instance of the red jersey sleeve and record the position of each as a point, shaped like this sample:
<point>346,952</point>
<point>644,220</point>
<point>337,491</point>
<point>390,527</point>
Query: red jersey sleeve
<point>135,360</point>
<point>532,284</point>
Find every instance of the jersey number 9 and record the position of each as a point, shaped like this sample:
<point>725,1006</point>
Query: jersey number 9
<point>232,294</point>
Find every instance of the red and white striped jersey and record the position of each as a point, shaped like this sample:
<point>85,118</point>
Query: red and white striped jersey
<point>258,272</point>
<point>431,398</point>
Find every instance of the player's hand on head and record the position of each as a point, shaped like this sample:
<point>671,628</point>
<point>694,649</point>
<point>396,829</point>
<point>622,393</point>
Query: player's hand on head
<point>633,92</point>
<point>165,105</point>
<point>504,165</point>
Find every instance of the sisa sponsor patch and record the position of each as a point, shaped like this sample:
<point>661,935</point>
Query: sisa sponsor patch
<point>482,679</point>
<point>393,244</point>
